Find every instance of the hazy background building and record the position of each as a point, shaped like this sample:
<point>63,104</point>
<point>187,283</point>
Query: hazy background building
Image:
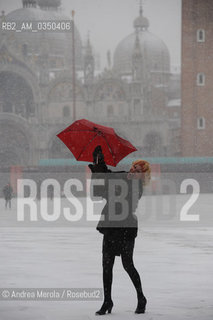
<point>138,93</point>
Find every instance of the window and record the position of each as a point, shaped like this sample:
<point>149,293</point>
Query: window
<point>200,79</point>
<point>110,111</point>
<point>66,111</point>
<point>201,123</point>
<point>200,35</point>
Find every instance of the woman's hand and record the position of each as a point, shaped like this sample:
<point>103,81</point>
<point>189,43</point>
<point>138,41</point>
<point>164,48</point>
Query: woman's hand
<point>98,157</point>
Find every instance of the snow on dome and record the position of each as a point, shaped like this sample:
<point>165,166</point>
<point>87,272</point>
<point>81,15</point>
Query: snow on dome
<point>154,50</point>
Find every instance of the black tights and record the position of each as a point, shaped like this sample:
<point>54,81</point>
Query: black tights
<point>127,261</point>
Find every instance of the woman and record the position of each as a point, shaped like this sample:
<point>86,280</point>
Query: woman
<point>119,239</point>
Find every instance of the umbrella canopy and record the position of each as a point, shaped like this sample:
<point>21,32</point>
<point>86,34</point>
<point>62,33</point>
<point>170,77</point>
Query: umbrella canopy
<point>83,136</point>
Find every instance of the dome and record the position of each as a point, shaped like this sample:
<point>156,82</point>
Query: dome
<point>154,51</point>
<point>57,43</point>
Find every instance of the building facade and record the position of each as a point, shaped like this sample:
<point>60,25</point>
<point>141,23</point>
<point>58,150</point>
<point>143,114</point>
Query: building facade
<point>197,78</point>
<point>38,89</point>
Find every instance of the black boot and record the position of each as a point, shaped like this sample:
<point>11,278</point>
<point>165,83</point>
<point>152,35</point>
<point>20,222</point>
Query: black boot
<point>141,307</point>
<point>106,306</point>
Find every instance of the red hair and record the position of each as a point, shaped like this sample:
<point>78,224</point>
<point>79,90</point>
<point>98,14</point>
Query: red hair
<point>146,169</point>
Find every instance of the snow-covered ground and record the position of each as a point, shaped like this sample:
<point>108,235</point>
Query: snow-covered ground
<point>175,262</point>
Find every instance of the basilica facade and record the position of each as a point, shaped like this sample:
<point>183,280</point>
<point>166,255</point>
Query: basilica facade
<point>44,88</point>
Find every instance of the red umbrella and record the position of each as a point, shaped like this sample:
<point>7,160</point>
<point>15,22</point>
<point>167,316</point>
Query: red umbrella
<point>83,136</point>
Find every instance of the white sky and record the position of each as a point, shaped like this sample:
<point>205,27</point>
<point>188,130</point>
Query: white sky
<point>109,21</point>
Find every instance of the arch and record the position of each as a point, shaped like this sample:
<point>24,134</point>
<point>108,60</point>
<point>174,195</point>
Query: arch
<point>16,142</point>
<point>19,127</point>
<point>16,96</point>
<point>16,66</point>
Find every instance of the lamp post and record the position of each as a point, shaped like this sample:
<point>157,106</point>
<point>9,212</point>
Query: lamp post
<point>73,67</point>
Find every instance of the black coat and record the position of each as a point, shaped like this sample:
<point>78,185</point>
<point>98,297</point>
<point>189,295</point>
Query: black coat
<point>127,228</point>
<point>7,191</point>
